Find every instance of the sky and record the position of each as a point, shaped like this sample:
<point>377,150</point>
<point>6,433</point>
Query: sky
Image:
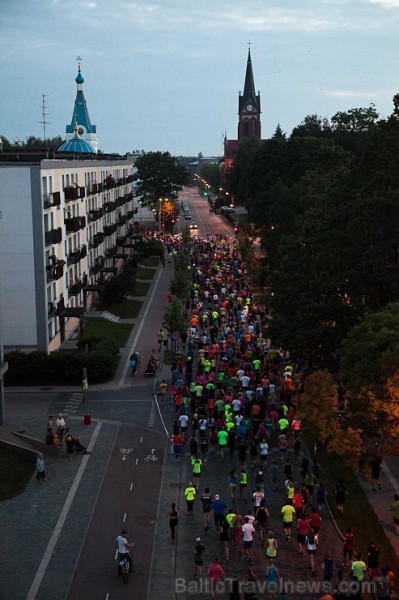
<point>164,75</point>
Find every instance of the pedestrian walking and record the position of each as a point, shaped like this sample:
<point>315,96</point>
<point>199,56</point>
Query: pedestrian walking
<point>328,567</point>
<point>272,579</point>
<point>271,546</point>
<point>340,496</point>
<point>173,521</point>
<point>248,531</point>
<point>288,512</point>
<point>376,472</point>
<point>198,557</point>
<point>196,465</point>
<point>274,474</point>
<point>215,574</point>
<point>348,546</point>
<point>302,525</point>
<point>311,542</point>
<point>233,480</point>
<point>206,500</point>
<point>60,427</point>
<point>40,469</point>
<point>225,538</point>
<point>69,446</point>
<point>243,484</point>
<point>237,530</point>
<point>218,506</point>
<point>163,388</point>
<point>189,494</point>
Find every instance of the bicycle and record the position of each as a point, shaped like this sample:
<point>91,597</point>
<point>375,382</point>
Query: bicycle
<point>124,567</point>
<point>151,457</point>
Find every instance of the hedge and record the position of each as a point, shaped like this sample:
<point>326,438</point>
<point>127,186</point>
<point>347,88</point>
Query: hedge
<point>64,367</point>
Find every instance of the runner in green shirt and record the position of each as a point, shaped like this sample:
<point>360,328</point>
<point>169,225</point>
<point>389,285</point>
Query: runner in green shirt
<point>222,439</point>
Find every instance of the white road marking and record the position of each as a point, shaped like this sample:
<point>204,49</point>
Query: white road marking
<point>131,486</point>
<point>137,460</point>
<point>61,520</point>
<point>124,517</point>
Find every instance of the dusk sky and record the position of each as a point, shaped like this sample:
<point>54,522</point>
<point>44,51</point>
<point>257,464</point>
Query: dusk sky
<point>165,74</point>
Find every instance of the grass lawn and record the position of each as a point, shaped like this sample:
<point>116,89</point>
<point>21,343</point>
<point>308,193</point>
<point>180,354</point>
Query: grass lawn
<point>150,261</point>
<point>117,332</point>
<point>140,289</point>
<point>127,309</point>
<point>146,274</point>
<point>15,474</point>
<point>358,514</point>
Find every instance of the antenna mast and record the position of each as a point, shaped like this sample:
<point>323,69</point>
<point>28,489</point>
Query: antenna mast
<point>44,122</point>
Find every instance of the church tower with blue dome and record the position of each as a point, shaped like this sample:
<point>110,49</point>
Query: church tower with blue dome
<point>80,116</point>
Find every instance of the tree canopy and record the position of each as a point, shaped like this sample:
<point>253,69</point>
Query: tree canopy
<point>325,202</point>
<point>160,176</point>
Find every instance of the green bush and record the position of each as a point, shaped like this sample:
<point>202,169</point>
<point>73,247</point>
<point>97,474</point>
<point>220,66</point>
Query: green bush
<point>64,367</point>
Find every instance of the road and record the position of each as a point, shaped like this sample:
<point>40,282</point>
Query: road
<point>211,224</point>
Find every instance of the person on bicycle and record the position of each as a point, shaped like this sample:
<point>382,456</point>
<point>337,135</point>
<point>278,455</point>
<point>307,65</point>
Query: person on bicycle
<point>123,549</point>
<point>154,357</point>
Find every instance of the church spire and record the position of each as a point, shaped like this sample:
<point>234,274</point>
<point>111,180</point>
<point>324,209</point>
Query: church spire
<point>80,116</point>
<point>249,85</point>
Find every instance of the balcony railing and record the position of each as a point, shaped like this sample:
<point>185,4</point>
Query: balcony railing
<point>75,223</point>
<point>110,229</point>
<point>83,251</point>
<point>75,288</point>
<point>55,272</point>
<point>97,239</point>
<point>71,193</point>
<point>74,257</point>
<point>93,215</point>
<point>54,236</point>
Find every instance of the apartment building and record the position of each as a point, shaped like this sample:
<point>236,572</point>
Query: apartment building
<point>65,223</point>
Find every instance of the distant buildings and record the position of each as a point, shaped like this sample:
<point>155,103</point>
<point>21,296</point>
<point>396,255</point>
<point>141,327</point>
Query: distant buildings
<point>66,218</point>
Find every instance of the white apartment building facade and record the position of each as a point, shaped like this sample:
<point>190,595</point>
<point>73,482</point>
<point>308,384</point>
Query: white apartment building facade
<point>65,223</point>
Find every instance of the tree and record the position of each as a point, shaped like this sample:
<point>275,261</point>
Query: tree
<point>369,354</point>
<point>160,176</point>
<point>212,175</point>
<point>314,126</point>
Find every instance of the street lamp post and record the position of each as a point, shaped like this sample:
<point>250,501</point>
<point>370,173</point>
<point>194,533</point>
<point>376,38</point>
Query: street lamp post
<point>160,216</point>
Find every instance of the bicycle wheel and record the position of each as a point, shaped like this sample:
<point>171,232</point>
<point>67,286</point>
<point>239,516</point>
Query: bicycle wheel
<point>125,574</point>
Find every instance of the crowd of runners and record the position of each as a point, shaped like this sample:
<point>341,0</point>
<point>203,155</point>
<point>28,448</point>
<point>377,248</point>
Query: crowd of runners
<point>234,399</point>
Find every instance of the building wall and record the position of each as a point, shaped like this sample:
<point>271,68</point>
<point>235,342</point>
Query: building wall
<point>63,222</point>
<point>17,266</point>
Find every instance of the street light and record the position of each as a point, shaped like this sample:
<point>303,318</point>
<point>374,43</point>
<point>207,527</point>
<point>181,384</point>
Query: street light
<point>160,216</point>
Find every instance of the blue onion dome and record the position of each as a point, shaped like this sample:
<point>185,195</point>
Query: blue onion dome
<point>79,77</point>
<point>78,146</point>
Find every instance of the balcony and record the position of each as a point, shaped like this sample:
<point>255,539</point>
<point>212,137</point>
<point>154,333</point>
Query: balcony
<point>109,229</point>
<point>109,207</point>
<point>71,193</point>
<point>54,236</point>
<point>83,251</point>
<point>52,309</point>
<point>93,215</point>
<point>97,239</point>
<point>82,192</point>
<point>55,271</point>
<point>109,183</point>
<point>110,252</point>
<point>74,257</point>
<point>120,240</point>
<point>50,200</point>
<point>74,224</point>
<point>97,266</point>
<point>75,288</point>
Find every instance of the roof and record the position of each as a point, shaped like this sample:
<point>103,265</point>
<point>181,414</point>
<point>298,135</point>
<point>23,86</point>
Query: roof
<point>77,145</point>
